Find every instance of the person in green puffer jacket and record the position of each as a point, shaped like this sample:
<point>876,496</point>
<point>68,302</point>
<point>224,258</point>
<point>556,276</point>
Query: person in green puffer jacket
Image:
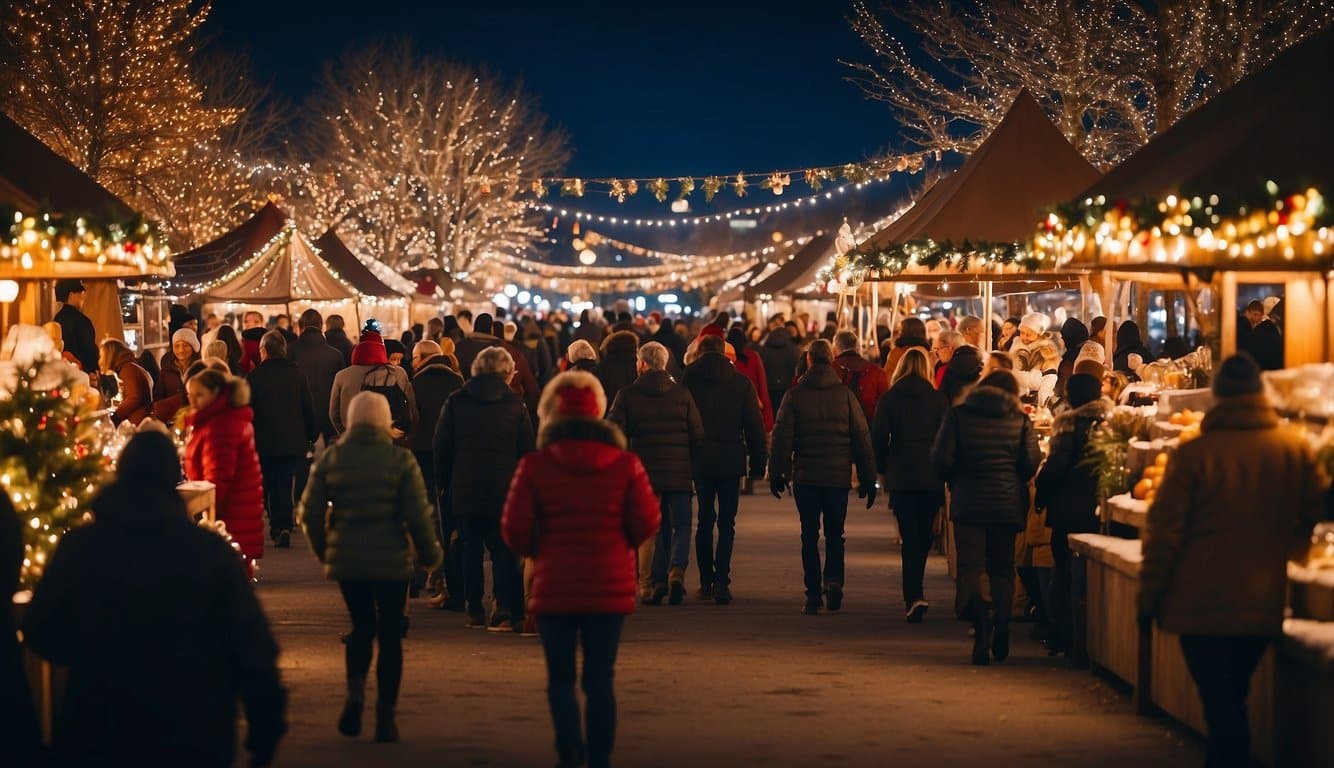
<point>365,513</point>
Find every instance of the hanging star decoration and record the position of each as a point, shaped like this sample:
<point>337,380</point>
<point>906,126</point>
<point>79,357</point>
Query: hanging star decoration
<point>617,190</point>
<point>631,188</point>
<point>711,186</point>
<point>687,186</point>
<point>659,188</point>
<point>739,185</point>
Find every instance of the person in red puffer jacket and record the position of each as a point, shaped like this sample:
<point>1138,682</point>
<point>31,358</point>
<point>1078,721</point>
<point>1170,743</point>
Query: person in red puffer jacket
<point>580,507</point>
<point>222,451</point>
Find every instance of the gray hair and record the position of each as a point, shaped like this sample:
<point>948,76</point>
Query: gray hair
<point>951,339</point>
<point>654,355</point>
<point>273,343</point>
<point>970,323</point>
<point>495,360</point>
<point>845,341</point>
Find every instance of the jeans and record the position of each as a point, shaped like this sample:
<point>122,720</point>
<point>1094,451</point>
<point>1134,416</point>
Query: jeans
<point>987,549</point>
<point>279,476</point>
<point>507,584</point>
<point>1221,668</point>
<point>916,512</point>
<point>377,615</point>
<point>716,569</point>
<point>673,548</point>
<point>814,504</point>
<point>600,635</point>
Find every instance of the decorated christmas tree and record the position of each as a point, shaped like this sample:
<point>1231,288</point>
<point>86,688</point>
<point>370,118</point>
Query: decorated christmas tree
<point>51,461</point>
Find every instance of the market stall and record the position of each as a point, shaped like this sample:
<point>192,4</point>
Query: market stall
<point>375,298</point>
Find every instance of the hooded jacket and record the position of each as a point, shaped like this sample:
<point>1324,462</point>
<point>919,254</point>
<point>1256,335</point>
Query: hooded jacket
<point>987,451</point>
<point>730,414</point>
<point>136,389</point>
<point>580,507</point>
<point>662,425</point>
<point>1066,487</point>
<point>616,366</point>
<point>320,362</point>
<point>779,354</point>
<point>1233,506</point>
<point>365,510</point>
<point>866,380</point>
<point>484,430</point>
<point>820,433</point>
<point>222,451</point>
<point>157,622</point>
<point>907,419</point>
<point>285,422</point>
<point>433,383</point>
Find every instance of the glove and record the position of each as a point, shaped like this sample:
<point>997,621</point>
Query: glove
<point>867,491</point>
<point>777,485</point>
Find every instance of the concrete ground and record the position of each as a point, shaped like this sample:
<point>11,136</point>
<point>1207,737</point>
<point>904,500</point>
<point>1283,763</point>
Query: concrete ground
<point>752,683</point>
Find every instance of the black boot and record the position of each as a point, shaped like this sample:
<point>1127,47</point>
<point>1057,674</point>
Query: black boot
<point>349,723</point>
<point>386,730</point>
<point>981,615</point>
<point>1000,642</point>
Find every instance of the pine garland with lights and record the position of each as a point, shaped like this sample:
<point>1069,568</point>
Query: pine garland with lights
<point>51,461</point>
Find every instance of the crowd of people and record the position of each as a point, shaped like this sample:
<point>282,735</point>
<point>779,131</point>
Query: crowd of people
<point>580,458</point>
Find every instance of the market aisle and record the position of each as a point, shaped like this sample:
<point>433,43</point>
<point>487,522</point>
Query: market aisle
<point>750,683</point>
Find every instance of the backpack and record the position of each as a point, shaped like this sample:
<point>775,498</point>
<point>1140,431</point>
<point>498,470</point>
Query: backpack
<point>399,410</point>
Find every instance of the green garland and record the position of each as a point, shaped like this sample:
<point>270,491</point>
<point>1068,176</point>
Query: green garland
<point>138,229</point>
<point>932,255</point>
<point>1148,213</point>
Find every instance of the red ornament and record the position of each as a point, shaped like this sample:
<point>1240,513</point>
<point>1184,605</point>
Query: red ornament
<point>131,247</point>
<point>1283,217</point>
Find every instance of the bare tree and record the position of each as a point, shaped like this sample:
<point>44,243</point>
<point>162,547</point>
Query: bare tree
<point>430,158</point>
<point>1110,73</point>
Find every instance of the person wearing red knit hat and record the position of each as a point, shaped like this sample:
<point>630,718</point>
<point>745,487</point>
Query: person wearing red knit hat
<point>370,369</point>
<point>580,507</point>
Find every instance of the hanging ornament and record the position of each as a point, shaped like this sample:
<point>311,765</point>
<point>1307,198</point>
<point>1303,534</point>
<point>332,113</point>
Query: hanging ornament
<point>631,188</point>
<point>575,229</point>
<point>617,190</point>
<point>485,186</point>
<point>539,189</point>
<point>687,186</point>
<point>854,173</point>
<point>711,186</point>
<point>572,187</point>
<point>901,165</point>
<point>739,185</point>
<point>659,189</point>
<point>777,181</point>
<point>813,179</point>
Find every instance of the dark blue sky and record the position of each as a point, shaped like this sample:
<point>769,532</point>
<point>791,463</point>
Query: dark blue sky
<point>643,88</point>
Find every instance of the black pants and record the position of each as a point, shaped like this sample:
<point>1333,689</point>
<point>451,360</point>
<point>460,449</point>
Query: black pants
<point>986,549</point>
<point>916,512</point>
<point>1063,587</point>
<point>279,475</point>
<point>377,615</point>
<point>1222,669</point>
<point>506,580</point>
<point>452,569</point>
<point>726,491</point>
<point>816,504</point>
<point>600,635</point>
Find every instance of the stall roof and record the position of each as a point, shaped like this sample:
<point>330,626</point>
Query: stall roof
<point>998,193</point>
<point>797,272</point>
<point>350,268</point>
<point>32,175</point>
<point>1273,125</point>
<point>232,248</point>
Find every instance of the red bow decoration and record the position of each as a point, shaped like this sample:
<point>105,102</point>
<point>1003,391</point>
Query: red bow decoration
<point>579,401</point>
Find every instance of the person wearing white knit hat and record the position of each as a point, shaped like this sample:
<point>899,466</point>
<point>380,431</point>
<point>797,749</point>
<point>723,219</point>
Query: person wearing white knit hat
<point>1092,350</point>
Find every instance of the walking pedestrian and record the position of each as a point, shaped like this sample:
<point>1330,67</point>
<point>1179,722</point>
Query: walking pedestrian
<point>819,435</point>
<point>222,451</point>
<point>434,381</point>
<point>907,419</point>
<point>779,355</point>
<point>580,507</point>
<point>320,362</point>
<point>729,411</point>
<point>987,451</point>
<point>365,513</point>
<point>662,426</point>
<point>285,428</point>
<point>160,630</point>
<point>484,430</point>
<point>370,370</point>
<point>1217,545</point>
<point>858,374</point>
<point>581,357</point>
<point>749,364</point>
<point>335,335</point>
<point>618,366</point>
<point>912,333</point>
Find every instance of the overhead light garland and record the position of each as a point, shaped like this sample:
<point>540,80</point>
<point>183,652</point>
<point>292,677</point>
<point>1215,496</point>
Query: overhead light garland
<point>34,242</point>
<point>592,238</point>
<point>684,221</point>
<point>622,188</point>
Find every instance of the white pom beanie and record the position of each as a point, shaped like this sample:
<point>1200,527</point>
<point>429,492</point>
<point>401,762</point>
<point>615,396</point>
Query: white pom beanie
<point>1092,350</point>
<point>188,336</point>
<point>1036,322</point>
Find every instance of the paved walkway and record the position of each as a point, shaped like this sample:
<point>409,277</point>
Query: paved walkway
<point>753,683</point>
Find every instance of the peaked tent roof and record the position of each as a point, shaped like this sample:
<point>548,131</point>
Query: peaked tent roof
<point>350,268</point>
<point>797,272</point>
<point>32,175</point>
<point>998,193</point>
<point>270,263</point>
<point>1274,125</point>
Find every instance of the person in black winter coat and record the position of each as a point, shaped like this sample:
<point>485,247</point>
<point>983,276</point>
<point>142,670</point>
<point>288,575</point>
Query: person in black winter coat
<point>285,427</point>
<point>335,335</point>
<point>820,433</point>
<point>1128,342</point>
<point>75,327</point>
<point>617,368</point>
<point>159,626</point>
<point>485,334</point>
<point>733,428</point>
<point>1264,342</point>
<point>434,382</point>
<point>662,425</point>
<point>665,334</point>
<point>483,431</point>
<point>907,419</point>
<point>961,372</point>
<point>18,720</point>
<point>987,451</point>
<point>320,362</point>
<point>1068,489</point>
<point>779,355</point>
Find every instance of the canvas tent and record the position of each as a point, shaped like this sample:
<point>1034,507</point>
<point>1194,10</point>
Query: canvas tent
<point>796,273</point>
